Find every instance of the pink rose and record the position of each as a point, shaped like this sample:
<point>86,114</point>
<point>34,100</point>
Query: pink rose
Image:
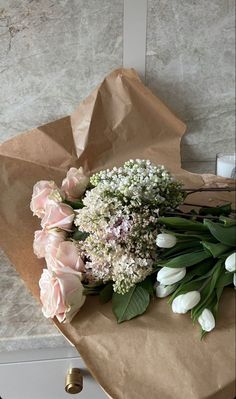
<point>75,183</point>
<point>47,241</point>
<point>66,259</point>
<point>58,215</point>
<point>61,296</point>
<point>42,191</point>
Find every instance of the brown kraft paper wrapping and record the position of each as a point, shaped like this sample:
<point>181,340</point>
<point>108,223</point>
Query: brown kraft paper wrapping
<point>158,355</point>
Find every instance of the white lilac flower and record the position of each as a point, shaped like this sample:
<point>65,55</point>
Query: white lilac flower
<point>121,216</point>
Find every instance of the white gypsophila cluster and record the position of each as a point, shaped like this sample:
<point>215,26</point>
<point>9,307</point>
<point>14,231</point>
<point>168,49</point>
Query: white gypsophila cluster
<point>120,214</point>
<point>139,182</point>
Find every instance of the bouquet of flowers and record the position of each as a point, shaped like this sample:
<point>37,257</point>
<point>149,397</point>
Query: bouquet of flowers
<point>121,234</point>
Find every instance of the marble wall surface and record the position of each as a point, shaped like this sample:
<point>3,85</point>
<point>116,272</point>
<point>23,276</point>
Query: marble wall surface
<point>191,66</point>
<point>53,53</point>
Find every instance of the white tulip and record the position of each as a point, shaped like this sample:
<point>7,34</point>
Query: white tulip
<point>164,290</point>
<point>230,263</point>
<point>207,320</point>
<point>170,275</point>
<point>166,240</point>
<point>183,303</point>
<point>234,280</point>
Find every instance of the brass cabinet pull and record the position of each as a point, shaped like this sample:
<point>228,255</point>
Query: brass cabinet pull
<point>74,381</point>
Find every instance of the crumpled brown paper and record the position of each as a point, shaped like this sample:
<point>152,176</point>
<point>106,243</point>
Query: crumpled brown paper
<point>158,355</point>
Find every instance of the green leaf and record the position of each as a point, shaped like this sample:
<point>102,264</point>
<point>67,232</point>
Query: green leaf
<point>225,279</point>
<point>203,333</point>
<point>148,285</point>
<point>131,304</point>
<point>217,210</point>
<point>228,221</point>
<point>215,249</point>
<point>181,223</point>
<point>224,234</point>
<point>105,295</point>
<point>181,247</point>
<point>80,235</point>
<point>186,287</point>
<point>78,204</point>
<point>188,235</point>
<point>207,296</point>
<point>202,271</point>
<point>186,260</point>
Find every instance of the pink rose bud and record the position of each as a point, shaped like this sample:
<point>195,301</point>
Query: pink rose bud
<point>42,191</point>
<point>75,183</point>
<point>61,296</point>
<point>66,259</point>
<point>58,215</point>
<point>47,241</point>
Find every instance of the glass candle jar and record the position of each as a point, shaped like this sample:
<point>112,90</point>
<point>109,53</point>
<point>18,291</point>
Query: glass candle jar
<point>226,165</point>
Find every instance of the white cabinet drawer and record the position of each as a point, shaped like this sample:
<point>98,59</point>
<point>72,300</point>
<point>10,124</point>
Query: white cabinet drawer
<point>44,379</point>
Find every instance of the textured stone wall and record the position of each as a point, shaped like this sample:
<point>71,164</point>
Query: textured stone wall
<point>191,66</point>
<point>53,53</point>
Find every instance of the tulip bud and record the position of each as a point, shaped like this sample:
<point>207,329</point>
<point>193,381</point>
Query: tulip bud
<point>183,303</point>
<point>207,320</point>
<point>230,262</point>
<point>164,240</point>
<point>169,275</point>
<point>164,290</point>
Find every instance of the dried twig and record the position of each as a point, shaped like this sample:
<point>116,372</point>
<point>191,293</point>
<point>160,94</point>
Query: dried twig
<point>212,189</point>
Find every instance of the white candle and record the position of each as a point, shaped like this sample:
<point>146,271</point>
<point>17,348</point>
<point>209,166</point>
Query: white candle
<point>226,165</point>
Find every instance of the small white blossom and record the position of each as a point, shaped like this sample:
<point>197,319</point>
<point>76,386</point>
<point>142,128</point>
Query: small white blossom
<point>164,290</point>
<point>166,240</point>
<point>207,320</point>
<point>185,302</point>
<point>169,275</point>
<point>230,263</point>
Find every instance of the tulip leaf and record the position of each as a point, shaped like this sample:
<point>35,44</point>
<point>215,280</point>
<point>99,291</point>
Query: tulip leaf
<point>217,210</point>
<point>182,223</point>
<point>186,260</point>
<point>201,271</point>
<point>225,234</point>
<point>207,293</point>
<point>188,235</point>
<point>131,304</point>
<point>79,235</point>
<point>181,247</point>
<point>225,279</point>
<point>105,295</point>
<point>215,249</point>
<point>193,285</point>
<point>227,221</point>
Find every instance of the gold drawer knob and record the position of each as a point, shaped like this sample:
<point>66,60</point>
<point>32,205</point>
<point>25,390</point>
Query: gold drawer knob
<point>74,381</point>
